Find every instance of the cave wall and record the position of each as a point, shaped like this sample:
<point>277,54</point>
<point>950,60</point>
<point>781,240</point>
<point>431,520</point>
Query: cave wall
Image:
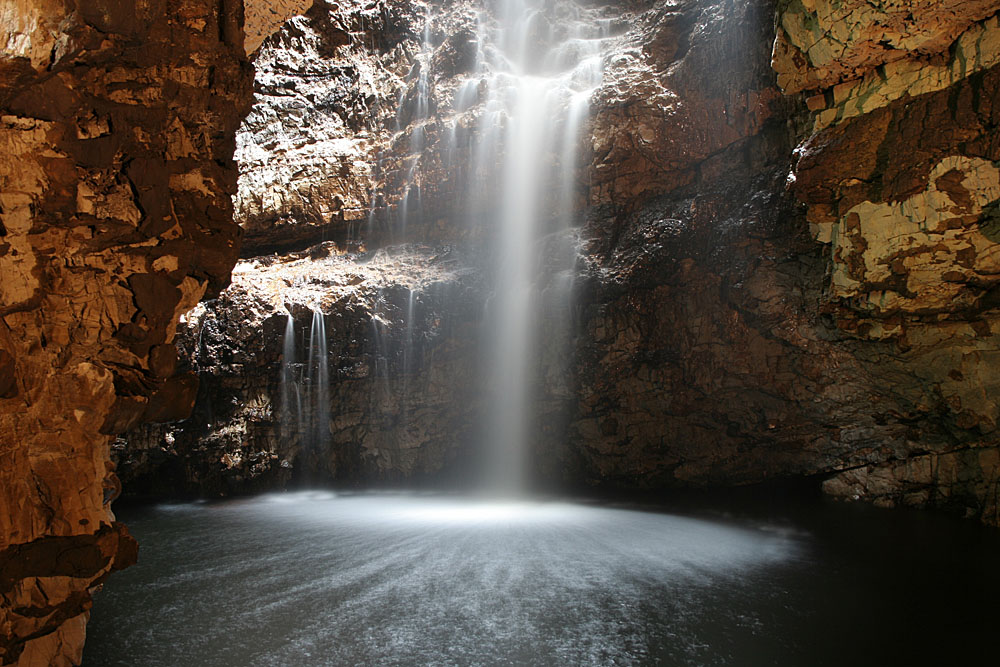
<point>117,129</point>
<point>814,298</point>
<point>900,184</point>
<point>786,262</point>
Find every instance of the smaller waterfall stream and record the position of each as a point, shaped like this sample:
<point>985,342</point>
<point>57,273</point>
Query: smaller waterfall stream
<point>291,396</point>
<point>319,384</point>
<point>411,205</point>
<point>305,387</point>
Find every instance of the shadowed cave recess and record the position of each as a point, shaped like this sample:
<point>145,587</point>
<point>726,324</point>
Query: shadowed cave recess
<point>512,251</point>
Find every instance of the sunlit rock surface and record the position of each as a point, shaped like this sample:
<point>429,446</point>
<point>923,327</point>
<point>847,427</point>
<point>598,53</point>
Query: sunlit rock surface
<point>264,18</point>
<point>822,43</point>
<point>325,106</point>
<point>117,123</point>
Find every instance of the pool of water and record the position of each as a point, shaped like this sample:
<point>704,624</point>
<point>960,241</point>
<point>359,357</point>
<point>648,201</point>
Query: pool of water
<point>407,579</point>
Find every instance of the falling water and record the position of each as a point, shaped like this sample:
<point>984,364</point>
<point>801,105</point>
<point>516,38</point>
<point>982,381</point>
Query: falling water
<point>411,205</point>
<point>305,388</point>
<point>318,380</point>
<point>408,361</point>
<point>539,72</point>
<point>382,351</point>
<point>291,398</point>
<point>511,143</point>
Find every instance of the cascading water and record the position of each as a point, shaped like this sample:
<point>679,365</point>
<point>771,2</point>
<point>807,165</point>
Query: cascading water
<point>411,206</point>
<point>319,384</point>
<point>291,397</point>
<point>305,387</point>
<point>539,73</point>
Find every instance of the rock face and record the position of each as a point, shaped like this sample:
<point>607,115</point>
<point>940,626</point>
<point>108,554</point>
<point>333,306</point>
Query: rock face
<point>901,189</point>
<point>822,43</point>
<point>721,345</point>
<point>325,106</point>
<point>769,284</point>
<point>117,135</point>
<point>264,18</point>
<point>398,327</point>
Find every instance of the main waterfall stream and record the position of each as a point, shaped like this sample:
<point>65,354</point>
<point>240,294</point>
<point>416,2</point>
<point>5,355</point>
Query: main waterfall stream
<point>541,85</point>
<point>511,139</point>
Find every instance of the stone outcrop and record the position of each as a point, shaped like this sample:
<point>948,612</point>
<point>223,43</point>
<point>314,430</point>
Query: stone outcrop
<point>117,126</point>
<point>823,43</point>
<point>264,18</point>
<point>325,107</point>
<point>900,186</point>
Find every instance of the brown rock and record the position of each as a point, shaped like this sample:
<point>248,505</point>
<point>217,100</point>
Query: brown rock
<point>116,174</point>
<point>821,43</point>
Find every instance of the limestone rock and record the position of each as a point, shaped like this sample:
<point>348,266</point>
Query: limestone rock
<point>900,184</point>
<point>116,127</point>
<point>660,114</point>
<point>821,43</point>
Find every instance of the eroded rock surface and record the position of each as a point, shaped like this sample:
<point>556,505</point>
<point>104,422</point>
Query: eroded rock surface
<point>821,43</point>
<point>900,183</point>
<point>117,126</point>
<point>325,106</point>
<point>264,18</point>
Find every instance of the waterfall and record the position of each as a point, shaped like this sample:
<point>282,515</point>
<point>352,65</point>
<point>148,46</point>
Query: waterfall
<point>408,361</point>
<point>511,146</point>
<point>291,399</point>
<point>539,76</point>
<point>318,380</point>
<point>305,389</point>
<point>411,205</point>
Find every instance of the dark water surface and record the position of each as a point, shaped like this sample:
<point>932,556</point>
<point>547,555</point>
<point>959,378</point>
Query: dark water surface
<point>394,579</point>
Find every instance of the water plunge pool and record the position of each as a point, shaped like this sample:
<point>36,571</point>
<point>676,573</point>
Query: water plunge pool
<point>317,578</point>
